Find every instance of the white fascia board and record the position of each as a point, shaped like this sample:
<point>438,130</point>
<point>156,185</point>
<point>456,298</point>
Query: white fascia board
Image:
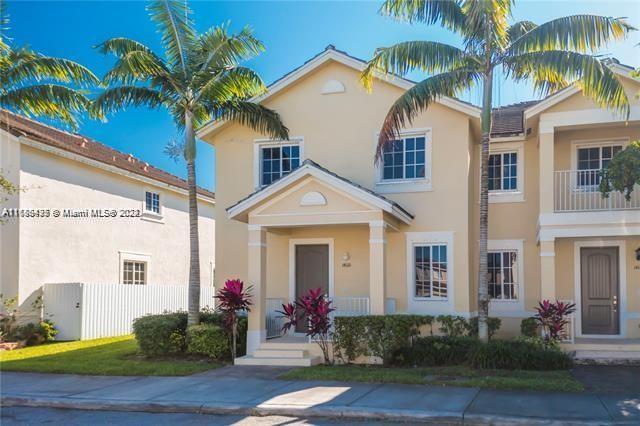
<point>352,63</point>
<point>107,167</point>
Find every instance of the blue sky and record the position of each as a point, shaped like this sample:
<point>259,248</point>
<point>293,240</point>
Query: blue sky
<point>292,32</point>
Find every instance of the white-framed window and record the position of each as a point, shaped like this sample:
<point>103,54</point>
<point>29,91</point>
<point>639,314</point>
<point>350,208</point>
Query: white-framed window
<point>505,269</point>
<point>506,172</point>
<point>134,272</point>
<point>430,266</point>
<point>275,159</point>
<point>405,164</point>
<point>431,271</point>
<point>593,158</point>
<point>152,202</point>
<point>502,271</point>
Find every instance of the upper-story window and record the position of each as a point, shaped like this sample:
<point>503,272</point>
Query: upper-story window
<point>134,272</point>
<point>404,159</point>
<point>152,202</point>
<point>278,161</point>
<point>592,159</point>
<point>503,171</point>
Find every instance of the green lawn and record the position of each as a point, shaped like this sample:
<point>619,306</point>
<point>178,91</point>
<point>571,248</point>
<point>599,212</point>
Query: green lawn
<point>444,376</point>
<point>114,356</point>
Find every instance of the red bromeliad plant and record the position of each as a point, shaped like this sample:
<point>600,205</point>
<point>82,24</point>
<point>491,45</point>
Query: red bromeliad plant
<point>314,308</point>
<point>553,317</point>
<point>232,299</point>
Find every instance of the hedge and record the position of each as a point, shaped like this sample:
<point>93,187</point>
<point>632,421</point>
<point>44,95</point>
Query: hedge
<point>166,334</point>
<point>209,340</point>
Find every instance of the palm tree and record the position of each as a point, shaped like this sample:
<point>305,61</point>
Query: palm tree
<point>198,79</point>
<point>552,55</point>
<point>35,85</point>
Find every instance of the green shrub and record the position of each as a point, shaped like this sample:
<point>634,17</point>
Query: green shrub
<point>165,334</point>
<point>382,336</point>
<point>453,326</point>
<point>209,340</point>
<point>493,324</point>
<point>529,327</point>
<point>517,355</point>
<point>437,350</point>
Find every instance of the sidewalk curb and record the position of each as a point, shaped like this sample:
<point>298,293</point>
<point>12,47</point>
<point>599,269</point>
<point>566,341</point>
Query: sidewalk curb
<point>336,412</point>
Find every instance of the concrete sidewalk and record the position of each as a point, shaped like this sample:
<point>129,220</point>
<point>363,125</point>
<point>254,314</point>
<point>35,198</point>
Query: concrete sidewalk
<point>232,392</point>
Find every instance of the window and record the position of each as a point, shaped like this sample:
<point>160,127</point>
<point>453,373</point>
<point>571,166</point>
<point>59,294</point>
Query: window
<point>404,159</point>
<point>502,269</point>
<point>134,272</point>
<point>591,160</point>
<point>152,202</point>
<point>503,171</point>
<point>278,161</point>
<point>430,265</point>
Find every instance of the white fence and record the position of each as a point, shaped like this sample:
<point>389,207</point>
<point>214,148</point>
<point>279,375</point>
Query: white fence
<point>89,311</point>
<point>577,190</point>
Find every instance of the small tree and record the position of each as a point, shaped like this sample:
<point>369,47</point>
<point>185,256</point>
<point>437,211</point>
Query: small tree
<point>232,299</point>
<point>314,308</point>
<point>623,172</point>
<point>552,317</point>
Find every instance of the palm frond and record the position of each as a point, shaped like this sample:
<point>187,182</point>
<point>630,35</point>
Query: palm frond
<point>236,83</point>
<point>136,65</point>
<point>173,20</point>
<point>401,58</point>
<point>418,99</point>
<point>558,67</point>
<point>580,33</point>
<point>448,13</point>
<point>117,98</point>
<point>218,49</point>
<point>26,65</point>
<point>49,100</point>
<point>497,12</point>
<point>4,26</point>
<point>120,46</point>
<point>257,117</point>
<point>519,29</point>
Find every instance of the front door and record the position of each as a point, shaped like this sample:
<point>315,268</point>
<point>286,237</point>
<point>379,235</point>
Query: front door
<point>599,287</point>
<point>312,271</point>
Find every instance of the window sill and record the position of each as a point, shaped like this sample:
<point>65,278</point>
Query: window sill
<point>152,217</point>
<point>406,185</point>
<point>506,197</point>
<point>430,299</point>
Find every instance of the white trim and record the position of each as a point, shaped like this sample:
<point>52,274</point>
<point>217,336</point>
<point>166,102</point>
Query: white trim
<point>149,214</point>
<point>313,198</point>
<point>333,55</point>
<point>594,143</point>
<point>109,168</point>
<point>498,306</point>
<point>547,254</point>
<point>622,288</point>
<point>323,177</point>
<point>588,224</point>
<point>555,120</point>
<point>292,262</point>
<point>444,306</point>
<point>258,144</point>
<point>509,196</point>
<point>406,185</point>
<point>133,257</point>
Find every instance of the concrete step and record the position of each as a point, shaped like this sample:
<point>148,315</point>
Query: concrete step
<point>607,357</point>
<point>284,362</point>
<point>287,345</point>
<point>280,353</point>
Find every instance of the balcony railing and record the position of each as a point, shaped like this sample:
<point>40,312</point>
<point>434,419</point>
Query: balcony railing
<point>578,191</point>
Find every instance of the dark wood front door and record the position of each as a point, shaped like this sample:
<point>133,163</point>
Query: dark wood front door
<point>312,271</point>
<point>600,287</point>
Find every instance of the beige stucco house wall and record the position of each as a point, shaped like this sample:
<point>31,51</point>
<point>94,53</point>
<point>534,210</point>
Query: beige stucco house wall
<point>35,251</point>
<point>334,121</point>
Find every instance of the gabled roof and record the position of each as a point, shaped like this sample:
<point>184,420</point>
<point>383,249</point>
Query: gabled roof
<point>21,126</point>
<point>311,168</point>
<point>330,53</point>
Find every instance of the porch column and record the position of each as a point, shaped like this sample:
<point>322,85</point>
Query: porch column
<point>547,270</point>
<point>377,269</point>
<point>547,186</point>
<point>257,275</point>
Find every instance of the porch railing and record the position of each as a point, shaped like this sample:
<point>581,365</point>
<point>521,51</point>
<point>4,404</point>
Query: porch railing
<point>274,323</point>
<point>578,191</point>
<point>568,333</point>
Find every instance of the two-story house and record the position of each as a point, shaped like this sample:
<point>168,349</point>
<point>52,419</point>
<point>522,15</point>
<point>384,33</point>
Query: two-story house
<point>402,235</point>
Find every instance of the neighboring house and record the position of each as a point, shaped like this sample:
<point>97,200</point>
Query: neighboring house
<point>402,235</point>
<point>147,243</point>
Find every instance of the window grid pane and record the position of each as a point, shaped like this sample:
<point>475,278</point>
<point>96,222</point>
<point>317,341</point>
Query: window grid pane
<point>503,171</point>
<point>502,271</point>
<point>278,161</point>
<point>591,160</point>
<point>134,272</point>
<point>430,271</point>
<point>404,159</point>
<point>152,202</point>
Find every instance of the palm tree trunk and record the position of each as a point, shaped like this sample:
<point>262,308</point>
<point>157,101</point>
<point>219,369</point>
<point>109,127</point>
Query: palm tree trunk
<point>483,290</point>
<point>194,244</point>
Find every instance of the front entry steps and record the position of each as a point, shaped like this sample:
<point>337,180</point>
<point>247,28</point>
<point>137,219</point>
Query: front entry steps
<point>266,354</point>
<point>606,351</point>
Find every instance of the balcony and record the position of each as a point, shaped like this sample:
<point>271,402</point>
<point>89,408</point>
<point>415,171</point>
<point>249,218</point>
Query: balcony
<point>577,191</point>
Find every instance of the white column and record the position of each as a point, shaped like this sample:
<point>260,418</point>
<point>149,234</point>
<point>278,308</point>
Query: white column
<point>377,267</point>
<point>547,271</point>
<point>257,274</point>
<point>547,187</point>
